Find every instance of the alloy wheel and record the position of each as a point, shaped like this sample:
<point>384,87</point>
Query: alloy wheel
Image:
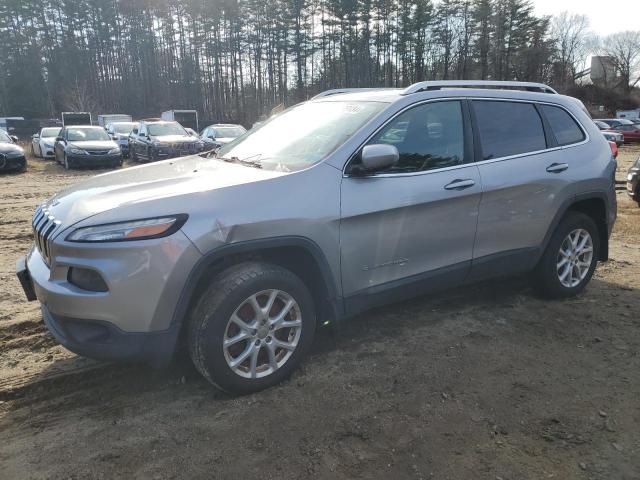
<point>574,258</point>
<point>262,333</point>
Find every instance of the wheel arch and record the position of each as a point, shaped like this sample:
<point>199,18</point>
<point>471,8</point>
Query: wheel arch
<point>299,254</point>
<point>593,204</point>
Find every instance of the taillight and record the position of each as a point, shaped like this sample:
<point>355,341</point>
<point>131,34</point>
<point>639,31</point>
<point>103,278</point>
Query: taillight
<point>614,149</point>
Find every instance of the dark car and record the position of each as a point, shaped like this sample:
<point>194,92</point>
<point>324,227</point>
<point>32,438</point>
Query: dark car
<point>633,181</point>
<point>11,155</point>
<point>86,146</point>
<point>156,139</point>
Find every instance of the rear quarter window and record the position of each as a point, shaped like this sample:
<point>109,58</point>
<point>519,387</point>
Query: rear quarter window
<point>508,128</point>
<point>564,127</point>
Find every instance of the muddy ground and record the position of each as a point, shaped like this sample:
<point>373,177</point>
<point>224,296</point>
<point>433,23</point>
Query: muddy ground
<point>486,382</point>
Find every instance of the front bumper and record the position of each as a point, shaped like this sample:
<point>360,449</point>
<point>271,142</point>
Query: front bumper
<point>134,318</point>
<point>12,163</point>
<point>105,341</point>
<point>92,160</point>
<point>633,181</point>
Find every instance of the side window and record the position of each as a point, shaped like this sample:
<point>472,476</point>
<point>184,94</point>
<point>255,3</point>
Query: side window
<point>508,128</point>
<point>428,136</point>
<point>564,127</point>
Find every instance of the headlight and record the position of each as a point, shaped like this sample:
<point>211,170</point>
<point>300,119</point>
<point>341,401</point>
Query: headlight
<point>77,151</point>
<point>115,151</point>
<point>134,230</point>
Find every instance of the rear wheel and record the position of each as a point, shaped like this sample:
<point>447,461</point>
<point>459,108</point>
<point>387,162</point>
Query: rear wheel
<point>251,328</point>
<point>570,259</point>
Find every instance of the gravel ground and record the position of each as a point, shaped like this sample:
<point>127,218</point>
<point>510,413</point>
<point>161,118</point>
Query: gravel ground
<point>485,382</point>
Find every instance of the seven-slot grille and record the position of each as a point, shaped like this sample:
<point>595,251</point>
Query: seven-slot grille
<point>184,147</point>
<point>44,225</point>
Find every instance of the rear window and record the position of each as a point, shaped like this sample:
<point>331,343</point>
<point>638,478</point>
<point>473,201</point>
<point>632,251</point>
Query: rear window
<point>563,126</point>
<point>508,128</point>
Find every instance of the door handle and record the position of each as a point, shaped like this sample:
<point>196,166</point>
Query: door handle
<point>459,184</point>
<point>557,167</point>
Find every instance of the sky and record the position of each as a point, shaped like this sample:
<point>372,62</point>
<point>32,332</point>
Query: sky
<point>605,17</point>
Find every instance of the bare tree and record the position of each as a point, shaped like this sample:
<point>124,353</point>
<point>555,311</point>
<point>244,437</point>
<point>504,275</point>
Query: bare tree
<point>571,38</point>
<point>78,98</point>
<point>624,50</point>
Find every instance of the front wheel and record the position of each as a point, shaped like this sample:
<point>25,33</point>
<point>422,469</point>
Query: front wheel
<point>570,259</point>
<point>251,327</point>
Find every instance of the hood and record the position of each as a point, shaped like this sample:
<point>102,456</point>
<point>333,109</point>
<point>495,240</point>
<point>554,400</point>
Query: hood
<point>94,144</point>
<point>9,148</point>
<point>145,183</point>
<point>175,138</point>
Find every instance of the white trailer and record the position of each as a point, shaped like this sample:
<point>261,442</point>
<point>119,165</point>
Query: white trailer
<point>104,120</point>
<point>186,118</point>
<point>628,113</point>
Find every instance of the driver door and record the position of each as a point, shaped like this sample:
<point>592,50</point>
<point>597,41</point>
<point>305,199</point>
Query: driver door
<point>411,227</point>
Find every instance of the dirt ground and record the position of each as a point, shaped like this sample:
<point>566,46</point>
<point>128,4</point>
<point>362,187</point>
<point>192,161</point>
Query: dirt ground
<point>485,382</point>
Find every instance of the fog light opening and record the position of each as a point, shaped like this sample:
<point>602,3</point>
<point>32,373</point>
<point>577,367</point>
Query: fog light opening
<point>86,279</point>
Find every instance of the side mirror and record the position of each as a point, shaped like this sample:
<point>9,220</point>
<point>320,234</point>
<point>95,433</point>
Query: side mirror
<point>379,157</point>
<point>59,139</point>
<point>35,135</point>
<point>14,138</point>
<point>212,137</point>
<point>134,131</point>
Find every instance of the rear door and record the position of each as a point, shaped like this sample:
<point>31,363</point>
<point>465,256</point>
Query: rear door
<point>406,226</point>
<point>525,177</point>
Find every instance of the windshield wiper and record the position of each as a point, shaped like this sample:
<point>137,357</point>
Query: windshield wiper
<point>243,161</point>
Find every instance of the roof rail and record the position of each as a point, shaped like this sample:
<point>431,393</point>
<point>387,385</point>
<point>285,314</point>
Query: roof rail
<point>337,91</point>
<point>440,84</point>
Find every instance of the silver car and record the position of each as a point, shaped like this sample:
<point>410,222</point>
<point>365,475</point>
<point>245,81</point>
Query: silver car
<point>348,201</point>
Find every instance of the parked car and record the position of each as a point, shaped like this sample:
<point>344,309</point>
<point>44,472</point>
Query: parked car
<point>156,139</point>
<point>42,143</point>
<point>610,135</point>
<point>629,130</point>
<point>11,154</point>
<point>119,132</point>
<point>633,181</point>
<point>221,133</point>
<point>337,205</point>
<point>86,146</point>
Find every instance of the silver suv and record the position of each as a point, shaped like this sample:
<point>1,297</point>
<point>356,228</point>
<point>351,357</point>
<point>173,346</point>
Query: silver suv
<point>353,199</point>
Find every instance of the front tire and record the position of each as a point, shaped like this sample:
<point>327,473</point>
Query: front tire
<point>570,258</point>
<point>251,327</point>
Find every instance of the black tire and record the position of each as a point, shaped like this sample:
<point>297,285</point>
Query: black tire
<point>545,276</point>
<point>210,317</point>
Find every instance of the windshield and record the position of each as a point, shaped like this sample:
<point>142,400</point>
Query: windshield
<point>160,129</point>
<point>4,137</point>
<point>84,134</point>
<point>50,132</point>
<point>228,132</point>
<point>124,128</point>
<point>302,135</point>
